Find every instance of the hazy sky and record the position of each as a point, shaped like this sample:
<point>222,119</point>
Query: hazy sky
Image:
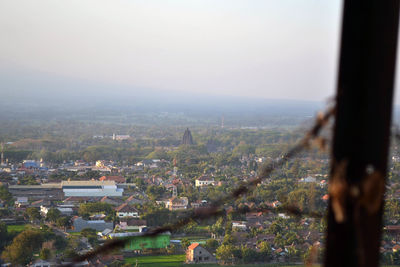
<point>267,48</point>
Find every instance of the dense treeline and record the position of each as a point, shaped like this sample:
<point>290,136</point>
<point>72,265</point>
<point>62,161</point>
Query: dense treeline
<point>56,144</point>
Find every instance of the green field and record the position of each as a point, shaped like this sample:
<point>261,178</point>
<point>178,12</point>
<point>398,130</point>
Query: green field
<point>16,228</point>
<point>178,260</point>
<point>74,233</point>
<point>244,265</point>
<point>163,261</point>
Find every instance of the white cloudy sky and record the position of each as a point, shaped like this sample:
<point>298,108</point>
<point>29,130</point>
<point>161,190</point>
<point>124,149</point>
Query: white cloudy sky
<point>268,48</point>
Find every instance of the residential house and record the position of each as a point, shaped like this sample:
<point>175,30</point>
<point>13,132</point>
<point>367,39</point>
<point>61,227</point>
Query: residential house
<point>197,254</point>
<point>198,203</point>
<point>204,181</point>
<point>112,201</point>
<point>64,210</point>
<point>239,225</point>
<point>176,203</point>
<point>76,200</point>
<point>22,202</point>
<point>120,137</point>
<point>125,210</point>
<point>132,200</point>
<point>132,224</point>
<point>308,179</point>
<point>150,163</point>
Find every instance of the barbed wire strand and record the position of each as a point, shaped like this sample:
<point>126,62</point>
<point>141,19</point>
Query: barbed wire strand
<point>214,209</point>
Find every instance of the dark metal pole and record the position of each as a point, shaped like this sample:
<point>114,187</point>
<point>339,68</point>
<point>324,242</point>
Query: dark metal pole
<point>361,132</point>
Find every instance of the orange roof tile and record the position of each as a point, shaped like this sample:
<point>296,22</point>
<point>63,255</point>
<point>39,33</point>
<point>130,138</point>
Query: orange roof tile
<point>193,246</point>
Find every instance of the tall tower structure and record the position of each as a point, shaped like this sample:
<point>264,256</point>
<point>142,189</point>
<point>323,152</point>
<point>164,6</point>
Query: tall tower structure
<point>222,122</point>
<point>2,154</point>
<point>187,138</point>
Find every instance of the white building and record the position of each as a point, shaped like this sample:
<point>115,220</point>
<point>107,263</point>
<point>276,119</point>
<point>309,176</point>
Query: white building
<point>120,137</point>
<point>63,210</point>
<point>308,179</point>
<point>91,189</point>
<point>204,181</point>
<point>240,225</point>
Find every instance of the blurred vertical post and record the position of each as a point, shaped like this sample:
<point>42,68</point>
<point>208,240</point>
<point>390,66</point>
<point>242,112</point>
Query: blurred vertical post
<point>361,132</point>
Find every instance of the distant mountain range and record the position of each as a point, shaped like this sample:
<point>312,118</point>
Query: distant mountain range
<point>39,95</point>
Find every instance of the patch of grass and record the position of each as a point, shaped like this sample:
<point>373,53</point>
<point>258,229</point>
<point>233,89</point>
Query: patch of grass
<point>162,260</point>
<point>16,228</point>
<point>74,233</point>
<point>178,260</point>
<point>192,237</point>
<point>246,265</point>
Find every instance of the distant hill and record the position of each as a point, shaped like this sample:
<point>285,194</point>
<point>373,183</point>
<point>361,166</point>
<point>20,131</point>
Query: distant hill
<point>41,96</point>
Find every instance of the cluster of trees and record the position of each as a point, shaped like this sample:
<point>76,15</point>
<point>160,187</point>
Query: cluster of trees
<point>229,254</point>
<point>156,215</point>
<point>53,216</point>
<point>30,241</point>
<point>91,235</point>
<point>56,144</point>
<point>5,195</point>
<point>87,209</point>
<point>390,258</point>
<point>96,207</point>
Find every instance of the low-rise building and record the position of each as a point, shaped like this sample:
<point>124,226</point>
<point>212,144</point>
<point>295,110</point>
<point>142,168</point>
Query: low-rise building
<point>204,181</point>
<point>120,137</point>
<point>132,224</point>
<point>99,225</point>
<point>125,210</point>
<point>51,191</point>
<point>91,188</point>
<point>132,200</point>
<point>177,203</point>
<point>64,210</point>
<point>197,254</point>
<point>308,179</point>
<point>112,201</point>
<point>239,225</point>
<point>21,202</point>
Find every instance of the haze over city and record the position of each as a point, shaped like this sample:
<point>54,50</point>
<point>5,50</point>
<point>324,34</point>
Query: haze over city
<point>265,49</point>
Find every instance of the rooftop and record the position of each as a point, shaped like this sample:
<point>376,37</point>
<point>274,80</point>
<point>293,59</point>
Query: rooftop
<point>125,208</point>
<point>205,178</point>
<point>117,179</point>
<point>86,183</point>
<point>193,246</point>
<point>41,186</point>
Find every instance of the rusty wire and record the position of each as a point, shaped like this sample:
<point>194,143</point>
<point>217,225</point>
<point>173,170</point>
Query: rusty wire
<point>215,208</point>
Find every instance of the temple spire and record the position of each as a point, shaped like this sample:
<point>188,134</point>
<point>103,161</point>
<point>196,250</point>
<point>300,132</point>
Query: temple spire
<point>187,138</point>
